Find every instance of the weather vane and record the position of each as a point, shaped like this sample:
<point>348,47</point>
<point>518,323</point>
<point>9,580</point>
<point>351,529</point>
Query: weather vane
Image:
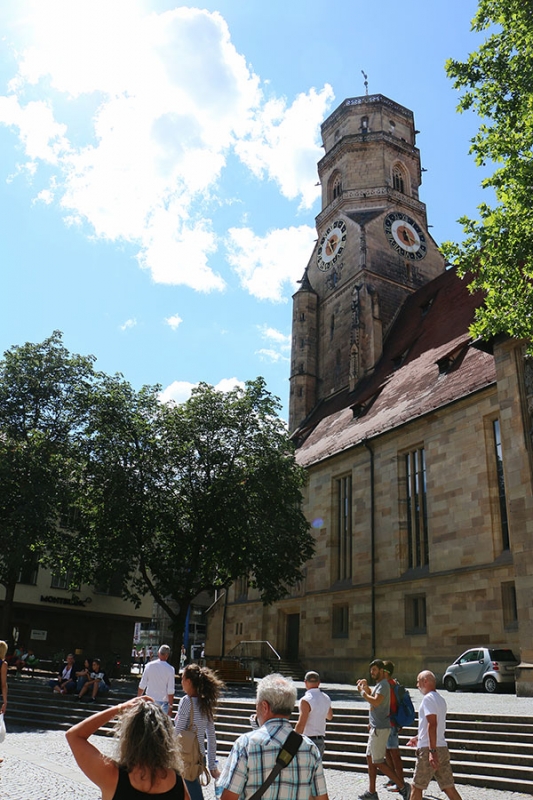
<point>365,76</point>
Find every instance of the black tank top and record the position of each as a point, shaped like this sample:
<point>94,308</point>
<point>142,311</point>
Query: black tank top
<point>125,791</point>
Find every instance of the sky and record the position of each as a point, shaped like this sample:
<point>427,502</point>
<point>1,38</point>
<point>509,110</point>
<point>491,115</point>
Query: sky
<point>158,181</point>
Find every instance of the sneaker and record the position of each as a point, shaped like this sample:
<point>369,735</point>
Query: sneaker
<point>389,783</point>
<point>369,796</point>
<point>392,788</point>
<point>405,792</point>
<point>92,700</point>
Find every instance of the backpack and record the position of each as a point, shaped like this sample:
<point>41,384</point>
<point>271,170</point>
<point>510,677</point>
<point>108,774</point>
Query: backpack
<point>193,762</point>
<point>404,716</point>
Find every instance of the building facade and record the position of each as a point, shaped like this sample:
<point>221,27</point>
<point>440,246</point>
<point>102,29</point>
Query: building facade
<point>53,620</point>
<point>417,440</point>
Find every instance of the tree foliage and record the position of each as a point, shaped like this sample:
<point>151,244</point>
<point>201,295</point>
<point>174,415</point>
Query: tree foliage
<point>43,402</point>
<point>186,498</point>
<point>497,83</point>
<point>107,482</point>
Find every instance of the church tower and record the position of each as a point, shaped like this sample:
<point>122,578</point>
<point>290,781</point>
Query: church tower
<point>373,250</point>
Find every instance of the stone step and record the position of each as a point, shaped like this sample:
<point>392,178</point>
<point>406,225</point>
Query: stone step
<point>485,750</point>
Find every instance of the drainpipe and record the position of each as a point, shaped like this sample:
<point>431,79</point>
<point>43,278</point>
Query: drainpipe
<point>372,552</point>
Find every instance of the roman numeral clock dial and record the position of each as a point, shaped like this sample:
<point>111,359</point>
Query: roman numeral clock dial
<point>405,235</point>
<point>331,245</point>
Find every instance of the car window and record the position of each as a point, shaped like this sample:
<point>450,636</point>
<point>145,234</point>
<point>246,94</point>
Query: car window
<point>502,655</point>
<point>472,655</point>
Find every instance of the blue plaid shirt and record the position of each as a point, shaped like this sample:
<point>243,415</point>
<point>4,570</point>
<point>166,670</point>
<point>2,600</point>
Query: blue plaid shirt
<point>253,757</point>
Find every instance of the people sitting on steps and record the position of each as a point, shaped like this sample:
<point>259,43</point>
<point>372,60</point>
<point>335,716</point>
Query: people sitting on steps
<point>65,683</point>
<point>97,682</point>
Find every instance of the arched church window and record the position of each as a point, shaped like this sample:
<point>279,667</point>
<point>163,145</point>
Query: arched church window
<point>398,179</point>
<point>337,187</point>
<point>364,124</point>
<point>392,126</point>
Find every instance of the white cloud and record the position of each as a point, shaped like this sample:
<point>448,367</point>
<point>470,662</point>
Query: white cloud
<point>279,338</point>
<point>271,355</point>
<point>45,196</point>
<point>280,345</point>
<point>283,144</point>
<point>42,137</point>
<point>130,323</point>
<point>174,321</point>
<point>265,265</point>
<point>155,104</point>
<point>180,391</point>
<point>228,384</point>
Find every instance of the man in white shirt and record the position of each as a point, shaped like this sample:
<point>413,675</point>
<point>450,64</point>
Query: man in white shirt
<point>315,709</point>
<point>159,680</point>
<point>432,755</point>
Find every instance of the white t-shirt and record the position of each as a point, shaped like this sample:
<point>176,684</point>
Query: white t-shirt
<point>159,680</point>
<point>432,703</point>
<point>320,705</point>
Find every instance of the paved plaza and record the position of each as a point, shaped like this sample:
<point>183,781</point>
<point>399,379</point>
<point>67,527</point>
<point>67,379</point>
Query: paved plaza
<point>38,765</point>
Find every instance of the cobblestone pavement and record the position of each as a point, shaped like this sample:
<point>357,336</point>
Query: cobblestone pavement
<point>38,765</point>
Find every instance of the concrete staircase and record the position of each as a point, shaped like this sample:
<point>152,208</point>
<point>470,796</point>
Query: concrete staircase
<point>290,669</point>
<point>489,751</point>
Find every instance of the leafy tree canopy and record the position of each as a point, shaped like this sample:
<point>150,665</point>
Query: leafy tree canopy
<point>497,83</point>
<point>186,498</point>
<point>43,402</point>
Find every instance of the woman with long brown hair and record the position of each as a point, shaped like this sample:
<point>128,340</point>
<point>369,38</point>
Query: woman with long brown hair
<point>148,761</point>
<point>202,689</point>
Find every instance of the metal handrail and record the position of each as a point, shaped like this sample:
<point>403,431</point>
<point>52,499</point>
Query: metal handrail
<point>255,653</point>
<point>245,649</point>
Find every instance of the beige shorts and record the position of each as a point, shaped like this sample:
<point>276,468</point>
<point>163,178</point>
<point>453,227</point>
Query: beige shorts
<point>424,772</point>
<point>377,744</point>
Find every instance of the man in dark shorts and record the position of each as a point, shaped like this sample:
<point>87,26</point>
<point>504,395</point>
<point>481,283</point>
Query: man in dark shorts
<point>432,755</point>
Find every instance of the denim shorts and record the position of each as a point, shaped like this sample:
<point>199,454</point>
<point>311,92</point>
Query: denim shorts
<point>393,742</point>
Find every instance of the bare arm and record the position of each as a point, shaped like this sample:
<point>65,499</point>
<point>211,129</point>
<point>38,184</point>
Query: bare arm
<point>374,700</point>
<point>329,715</point>
<point>432,733</point>
<point>98,768</point>
<point>3,679</point>
<point>170,704</point>
<point>305,710</point>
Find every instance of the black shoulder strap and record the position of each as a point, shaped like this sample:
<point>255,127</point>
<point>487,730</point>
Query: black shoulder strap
<point>284,757</point>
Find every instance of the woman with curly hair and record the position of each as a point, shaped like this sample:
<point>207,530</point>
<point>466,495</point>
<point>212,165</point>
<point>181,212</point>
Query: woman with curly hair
<point>202,689</point>
<point>148,761</point>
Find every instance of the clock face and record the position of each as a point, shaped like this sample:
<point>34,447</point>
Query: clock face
<point>405,235</point>
<point>331,245</point>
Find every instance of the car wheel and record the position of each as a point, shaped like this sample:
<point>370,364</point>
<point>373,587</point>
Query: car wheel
<point>449,684</point>
<point>490,684</point>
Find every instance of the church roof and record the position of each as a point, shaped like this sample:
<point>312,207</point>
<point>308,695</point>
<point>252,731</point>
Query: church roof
<point>428,362</point>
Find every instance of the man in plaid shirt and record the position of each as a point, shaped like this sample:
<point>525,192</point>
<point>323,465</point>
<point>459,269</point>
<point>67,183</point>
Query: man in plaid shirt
<point>253,755</point>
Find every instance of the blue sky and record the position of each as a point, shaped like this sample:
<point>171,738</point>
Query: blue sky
<point>158,168</point>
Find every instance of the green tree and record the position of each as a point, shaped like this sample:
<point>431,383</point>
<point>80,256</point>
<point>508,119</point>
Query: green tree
<point>43,401</point>
<point>497,252</point>
<point>186,498</point>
